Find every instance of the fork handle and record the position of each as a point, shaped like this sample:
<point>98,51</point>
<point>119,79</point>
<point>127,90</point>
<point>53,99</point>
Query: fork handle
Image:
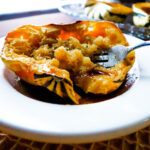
<point>139,45</point>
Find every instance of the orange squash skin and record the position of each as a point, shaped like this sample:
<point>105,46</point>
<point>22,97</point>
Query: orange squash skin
<point>19,44</point>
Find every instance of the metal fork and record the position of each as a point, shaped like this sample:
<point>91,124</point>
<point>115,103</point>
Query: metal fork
<point>111,57</point>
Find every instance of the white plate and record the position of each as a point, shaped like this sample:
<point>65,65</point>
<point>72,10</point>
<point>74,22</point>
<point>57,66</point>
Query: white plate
<point>32,119</point>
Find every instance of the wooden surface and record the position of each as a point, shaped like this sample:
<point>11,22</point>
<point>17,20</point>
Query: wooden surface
<point>139,140</point>
<point>8,25</point>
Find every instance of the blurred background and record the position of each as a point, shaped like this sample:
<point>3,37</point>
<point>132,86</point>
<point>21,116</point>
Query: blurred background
<point>14,13</point>
<point>33,7</point>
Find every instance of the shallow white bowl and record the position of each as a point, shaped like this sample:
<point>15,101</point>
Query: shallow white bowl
<point>32,119</point>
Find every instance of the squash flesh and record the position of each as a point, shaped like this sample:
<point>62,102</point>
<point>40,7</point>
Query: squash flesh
<point>64,53</point>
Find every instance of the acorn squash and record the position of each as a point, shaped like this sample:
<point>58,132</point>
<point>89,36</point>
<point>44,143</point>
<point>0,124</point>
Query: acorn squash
<point>59,56</point>
<point>141,15</point>
<point>107,11</point>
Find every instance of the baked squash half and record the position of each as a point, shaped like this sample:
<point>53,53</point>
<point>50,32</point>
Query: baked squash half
<point>141,14</point>
<point>59,56</point>
<point>107,11</point>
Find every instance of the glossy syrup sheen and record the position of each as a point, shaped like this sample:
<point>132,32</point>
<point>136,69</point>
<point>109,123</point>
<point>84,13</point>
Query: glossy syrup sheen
<point>44,95</point>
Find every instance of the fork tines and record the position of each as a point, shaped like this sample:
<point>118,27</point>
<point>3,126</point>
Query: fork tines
<point>101,57</point>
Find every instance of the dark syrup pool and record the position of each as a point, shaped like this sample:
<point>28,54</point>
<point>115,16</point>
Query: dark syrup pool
<point>44,95</point>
